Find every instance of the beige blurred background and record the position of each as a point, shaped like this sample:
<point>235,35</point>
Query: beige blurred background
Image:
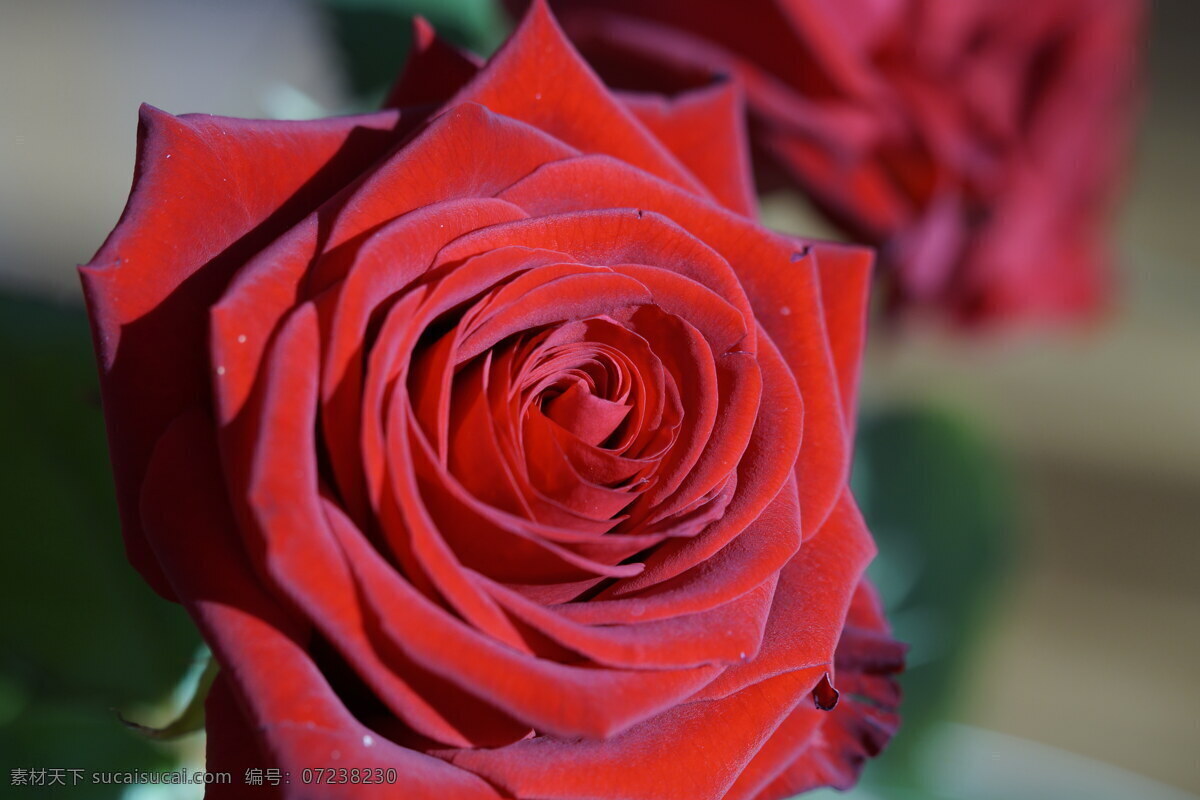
<point>1095,648</point>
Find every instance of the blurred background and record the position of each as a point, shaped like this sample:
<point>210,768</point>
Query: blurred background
<point>1036,499</point>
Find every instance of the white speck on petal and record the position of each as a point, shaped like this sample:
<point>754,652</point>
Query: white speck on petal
<point>220,370</point>
<point>742,655</point>
<point>537,96</point>
<point>785,311</point>
<point>368,741</point>
<point>168,155</point>
<point>241,338</point>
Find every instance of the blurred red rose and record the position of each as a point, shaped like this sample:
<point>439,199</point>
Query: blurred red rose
<point>489,442</point>
<point>977,143</point>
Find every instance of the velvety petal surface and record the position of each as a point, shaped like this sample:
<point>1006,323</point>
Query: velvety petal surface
<point>492,440</point>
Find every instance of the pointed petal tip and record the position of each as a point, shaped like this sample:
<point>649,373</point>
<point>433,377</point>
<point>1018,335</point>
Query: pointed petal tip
<point>150,116</point>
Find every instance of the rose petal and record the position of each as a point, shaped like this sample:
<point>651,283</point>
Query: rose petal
<point>725,634</point>
<point>780,280</point>
<point>434,71</point>
<point>765,471</point>
<point>432,167</point>
<point>230,743</point>
<point>178,241</point>
<point>299,556</point>
<point>756,553</point>
<point>845,276</point>
<point>706,130</point>
<point>811,603</point>
<point>555,698</point>
<point>258,645</point>
<point>391,258</point>
<point>816,748</point>
<point>691,752</point>
<point>538,77</point>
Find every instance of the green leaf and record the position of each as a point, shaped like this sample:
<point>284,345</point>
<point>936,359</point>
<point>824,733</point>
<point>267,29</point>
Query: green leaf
<point>937,499</point>
<point>191,719</point>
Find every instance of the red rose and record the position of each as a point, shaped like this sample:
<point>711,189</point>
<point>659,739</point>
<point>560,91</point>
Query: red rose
<point>492,445</point>
<point>977,145</point>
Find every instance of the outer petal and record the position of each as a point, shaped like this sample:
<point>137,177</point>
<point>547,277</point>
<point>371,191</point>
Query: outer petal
<point>208,193</point>
<point>466,152</point>
<point>231,743</point>
<point>706,130</point>
<point>434,72</point>
<point>811,603</point>
<point>262,650</point>
<point>845,274</point>
<point>538,77</point>
<point>815,748</point>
